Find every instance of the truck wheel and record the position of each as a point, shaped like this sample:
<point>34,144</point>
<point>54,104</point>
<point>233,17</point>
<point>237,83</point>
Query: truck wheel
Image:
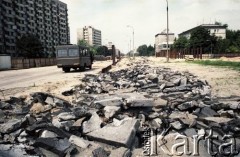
<point>90,66</point>
<point>82,68</point>
<point>66,69</point>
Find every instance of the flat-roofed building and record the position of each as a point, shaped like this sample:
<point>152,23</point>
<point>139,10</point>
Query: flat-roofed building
<point>161,43</point>
<point>91,35</point>
<point>214,29</point>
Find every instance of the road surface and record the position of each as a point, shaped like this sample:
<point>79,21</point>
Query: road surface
<point>43,75</point>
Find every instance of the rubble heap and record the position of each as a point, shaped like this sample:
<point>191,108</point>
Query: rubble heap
<point>112,113</point>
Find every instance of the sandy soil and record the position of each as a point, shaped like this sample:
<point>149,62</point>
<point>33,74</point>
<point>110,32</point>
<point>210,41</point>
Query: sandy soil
<point>224,81</point>
<point>234,59</point>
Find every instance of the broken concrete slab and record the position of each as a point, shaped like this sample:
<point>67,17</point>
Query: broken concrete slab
<point>92,124</point>
<point>11,125</point>
<point>66,125</point>
<point>57,146</point>
<point>218,119</point>
<point>65,116</point>
<point>157,122</point>
<point>160,103</point>
<point>122,135</point>
<point>139,102</point>
<point>120,152</point>
<point>207,112</point>
<point>7,150</point>
<point>5,105</point>
<point>110,111</point>
<point>115,101</point>
<point>100,152</point>
<point>177,125</point>
<point>78,141</point>
<point>187,105</point>
<point>48,134</point>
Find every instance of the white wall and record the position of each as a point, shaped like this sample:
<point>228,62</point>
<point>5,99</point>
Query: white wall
<point>5,62</point>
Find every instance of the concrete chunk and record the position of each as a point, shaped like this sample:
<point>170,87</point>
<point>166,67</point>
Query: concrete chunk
<point>80,142</point>
<point>122,135</point>
<point>120,152</point>
<point>110,111</point>
<point>92,124</point>
<point>140,101</point>
<point>10,126</point>
<point>115,101</point>
<point>66,116</point>
<point>57,146</point>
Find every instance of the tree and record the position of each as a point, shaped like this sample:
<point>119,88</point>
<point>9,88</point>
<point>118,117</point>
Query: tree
<point>103,50</point>
<point>82,43</point>
<point>145,50</point>
<point>222,45</point>
<point>181,43</point>
<point>29,46</point>
<point>200,37</point>
<point>150,50</point>
<point>142,50</point>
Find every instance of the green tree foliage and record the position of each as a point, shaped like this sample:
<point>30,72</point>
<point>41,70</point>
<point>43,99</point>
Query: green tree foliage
<point>200,37</point>
<point>180,43</point>
<point>93,49</point>
<point>82,43</point>
<point>103,50</point>
<point>29,46</point>
<point>145,50</point>
<point>222,46</point>
<point>150,50</point>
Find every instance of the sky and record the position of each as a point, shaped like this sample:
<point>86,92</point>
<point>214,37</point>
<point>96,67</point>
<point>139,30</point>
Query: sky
<point>147,18</point>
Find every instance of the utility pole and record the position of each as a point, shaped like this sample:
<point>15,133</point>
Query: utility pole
<point>133,38</point>
<point>167,35</point>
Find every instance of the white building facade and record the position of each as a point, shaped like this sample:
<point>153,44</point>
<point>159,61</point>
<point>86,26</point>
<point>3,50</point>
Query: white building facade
<point>161,42</point>
<point>217,30</point>
<point>91,35</point>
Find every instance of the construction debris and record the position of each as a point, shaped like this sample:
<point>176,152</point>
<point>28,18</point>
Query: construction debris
<point>123,113</point>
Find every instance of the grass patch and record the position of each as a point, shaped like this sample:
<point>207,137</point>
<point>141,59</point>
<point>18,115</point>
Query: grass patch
<point>233,65</point>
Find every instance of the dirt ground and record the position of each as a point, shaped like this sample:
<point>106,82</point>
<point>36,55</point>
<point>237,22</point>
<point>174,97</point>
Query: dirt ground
<point>224,81</point>
<point>234,59</point>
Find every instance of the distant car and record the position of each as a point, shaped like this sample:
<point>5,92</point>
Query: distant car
<point>73,56</point>
<point>189,58</point>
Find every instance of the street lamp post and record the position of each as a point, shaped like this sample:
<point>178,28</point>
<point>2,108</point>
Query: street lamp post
<point>167,35</point>
<point>133,37</point>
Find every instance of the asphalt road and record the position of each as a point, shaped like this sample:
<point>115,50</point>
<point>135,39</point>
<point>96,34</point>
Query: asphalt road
<point>38,76</point>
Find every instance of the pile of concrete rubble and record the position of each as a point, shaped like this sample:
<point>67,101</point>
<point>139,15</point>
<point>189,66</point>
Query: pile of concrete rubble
<point>130,112</point>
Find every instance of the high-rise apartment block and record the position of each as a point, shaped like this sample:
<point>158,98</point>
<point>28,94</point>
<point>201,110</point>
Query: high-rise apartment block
<point>48,19</point>
<point>91,35</point>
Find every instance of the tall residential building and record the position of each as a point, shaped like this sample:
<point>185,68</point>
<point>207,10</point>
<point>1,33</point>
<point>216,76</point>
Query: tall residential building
<point>91,35</point>
<point>214,29</point>
<point>48,19</point>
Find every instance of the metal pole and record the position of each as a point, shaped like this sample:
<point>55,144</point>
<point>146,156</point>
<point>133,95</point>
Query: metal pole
<point>167,34</point>
<point>133,42</point>
<point>133,37</point>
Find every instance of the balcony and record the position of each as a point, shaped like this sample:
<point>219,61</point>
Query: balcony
<point>20,24</point>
